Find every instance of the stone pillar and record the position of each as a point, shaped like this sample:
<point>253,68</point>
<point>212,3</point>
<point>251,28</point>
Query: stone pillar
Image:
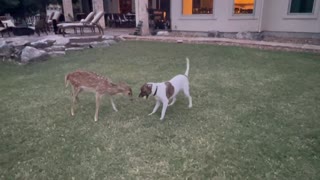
<point>67,10</point>
<point>97,6</point>
<point>142,15</point>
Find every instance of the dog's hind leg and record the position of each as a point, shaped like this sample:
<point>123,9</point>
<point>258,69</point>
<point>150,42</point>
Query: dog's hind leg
<point>173,101</point>
<point>187,93</point>
<point>155,108</point>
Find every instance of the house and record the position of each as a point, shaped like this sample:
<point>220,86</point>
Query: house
<point>284,16</point>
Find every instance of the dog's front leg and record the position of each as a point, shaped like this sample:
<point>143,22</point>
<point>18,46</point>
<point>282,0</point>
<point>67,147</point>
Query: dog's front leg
<point>155,107</point>
<point>164,108</point>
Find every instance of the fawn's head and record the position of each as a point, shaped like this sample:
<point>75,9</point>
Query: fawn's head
<point>124,89</point>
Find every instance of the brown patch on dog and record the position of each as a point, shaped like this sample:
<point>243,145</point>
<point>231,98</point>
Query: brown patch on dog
<point>169,89</point>
<point>145,90</point>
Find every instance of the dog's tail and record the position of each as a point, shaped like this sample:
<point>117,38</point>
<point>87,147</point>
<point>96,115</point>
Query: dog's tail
<point>187,70</point>
<point>66,80</point>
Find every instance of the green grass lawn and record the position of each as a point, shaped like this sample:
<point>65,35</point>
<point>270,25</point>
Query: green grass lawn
<point>255,115</point>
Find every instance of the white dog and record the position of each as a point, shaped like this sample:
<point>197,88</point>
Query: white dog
<point>166,91</point>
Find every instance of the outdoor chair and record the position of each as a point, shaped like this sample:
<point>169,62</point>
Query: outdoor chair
<point>87,20</point>
<point>92,25</point>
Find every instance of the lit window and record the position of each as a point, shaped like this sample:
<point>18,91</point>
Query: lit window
<point>197,7</point>
<point>301,6</point>
<point>243,6</point>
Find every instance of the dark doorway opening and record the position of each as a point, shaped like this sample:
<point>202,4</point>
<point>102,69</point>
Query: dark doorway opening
<point>159,14</point>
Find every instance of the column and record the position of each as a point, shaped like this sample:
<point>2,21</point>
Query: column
<point>142,15</point>
<point>67,10</point>
<point>97,6</point>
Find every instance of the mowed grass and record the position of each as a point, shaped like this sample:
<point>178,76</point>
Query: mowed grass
<point>255,115</point>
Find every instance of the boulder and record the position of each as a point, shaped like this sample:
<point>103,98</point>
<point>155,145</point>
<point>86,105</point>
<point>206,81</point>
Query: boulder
<point>19,43</point>
<point>44,43</point>
<point>74,49</point>
<point>6,50</point>
<point>56,53</point>
<point>101,44</point>
<point>55,48</point>
<point>31,54</point>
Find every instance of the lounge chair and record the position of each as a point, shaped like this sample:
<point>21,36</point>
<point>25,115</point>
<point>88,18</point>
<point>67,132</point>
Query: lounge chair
<point>84,24</point>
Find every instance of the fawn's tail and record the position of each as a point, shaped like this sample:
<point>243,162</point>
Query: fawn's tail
<point>66,80</point>
<point>187,70</point>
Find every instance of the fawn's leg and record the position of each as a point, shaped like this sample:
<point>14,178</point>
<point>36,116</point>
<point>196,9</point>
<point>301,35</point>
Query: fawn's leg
<point>74,98</point>
<point>98,98</point>
<point>113,105</point>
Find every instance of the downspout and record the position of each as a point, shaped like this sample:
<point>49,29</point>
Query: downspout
<point>261,15</point>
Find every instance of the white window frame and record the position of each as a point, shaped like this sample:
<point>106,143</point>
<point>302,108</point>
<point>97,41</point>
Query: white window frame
<point>313,9</point>
<point>313,15</point>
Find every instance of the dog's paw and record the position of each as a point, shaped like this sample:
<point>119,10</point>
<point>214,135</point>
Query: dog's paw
<point>150,114</point>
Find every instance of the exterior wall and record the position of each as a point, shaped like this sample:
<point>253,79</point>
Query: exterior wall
<point>269,15</point>
<point>222,18</point>
<point>276,18</point>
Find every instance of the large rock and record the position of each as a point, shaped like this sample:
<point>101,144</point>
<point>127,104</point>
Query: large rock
<point>31,54</point>
<point>43,43</point>
<point>107,37</point>
<point>19,43</point>
<point>56,53</point>
<point>55,48</point>
<point>59,40</point>
<point>101,44</point>
<point>6,50</point>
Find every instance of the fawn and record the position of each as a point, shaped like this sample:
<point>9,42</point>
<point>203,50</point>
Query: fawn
<point>89,81</point>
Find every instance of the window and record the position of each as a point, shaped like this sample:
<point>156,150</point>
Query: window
<point>301,6</point>
<point>197,7</point>
<point>243,6</point>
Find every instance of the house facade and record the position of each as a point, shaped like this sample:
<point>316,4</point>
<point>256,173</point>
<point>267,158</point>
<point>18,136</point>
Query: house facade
<point>301,16</point>
<point>246,15</point>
